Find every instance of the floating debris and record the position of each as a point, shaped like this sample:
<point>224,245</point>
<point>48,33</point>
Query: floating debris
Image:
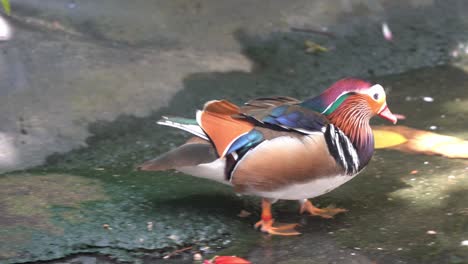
<point>204,249</point>
<point>433,127</point>
<point>106,226</point>
<point>312,47</point>
<point>431,232</point>
<point>149,226</point>
<point>387,33</point>
<point>176,252</point>
<point>244,214</point>
<point>173,237</point>
<point>414,172</point>
<point>197,257</point>
<point>428,99</point>
<point>323,31</point>
<point>5,30</point>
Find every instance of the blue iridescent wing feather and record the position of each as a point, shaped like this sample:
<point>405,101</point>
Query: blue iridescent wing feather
<point>248,141</point>
<point>277,113</point>
<point>284,112</point>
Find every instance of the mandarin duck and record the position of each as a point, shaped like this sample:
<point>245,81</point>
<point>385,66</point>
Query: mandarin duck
<point>281,147</point>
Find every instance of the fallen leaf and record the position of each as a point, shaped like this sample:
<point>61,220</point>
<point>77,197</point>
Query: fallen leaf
<point>312,47</point>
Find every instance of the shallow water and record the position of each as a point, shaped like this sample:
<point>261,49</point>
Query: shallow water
<point>396,215</point>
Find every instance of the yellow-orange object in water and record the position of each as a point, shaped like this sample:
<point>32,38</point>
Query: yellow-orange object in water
<point>387,139</point>
<point>312,47</point>
<point>412,140</point>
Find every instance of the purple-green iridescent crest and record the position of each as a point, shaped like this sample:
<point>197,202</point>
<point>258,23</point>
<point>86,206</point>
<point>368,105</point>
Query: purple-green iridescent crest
<point>330,95</point>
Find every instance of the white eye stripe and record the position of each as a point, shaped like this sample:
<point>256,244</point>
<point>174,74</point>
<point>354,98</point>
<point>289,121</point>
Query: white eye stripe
<point>376,92</point>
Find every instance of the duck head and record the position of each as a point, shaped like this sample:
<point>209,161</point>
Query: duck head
<point>349,104</point>
<point>361,98</point>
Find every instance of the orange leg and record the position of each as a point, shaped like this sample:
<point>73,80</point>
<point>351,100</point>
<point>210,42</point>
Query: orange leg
<point>266,223</point>
<point>327,212</point>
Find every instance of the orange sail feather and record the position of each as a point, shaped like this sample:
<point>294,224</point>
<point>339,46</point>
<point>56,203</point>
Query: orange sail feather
<point>223,129</point>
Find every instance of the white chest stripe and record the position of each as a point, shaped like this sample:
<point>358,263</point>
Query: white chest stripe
<point>336,139</point>
<point>342,149</point>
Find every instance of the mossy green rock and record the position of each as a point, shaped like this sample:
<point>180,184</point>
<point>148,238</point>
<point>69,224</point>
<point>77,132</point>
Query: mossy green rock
<point>48,215</point>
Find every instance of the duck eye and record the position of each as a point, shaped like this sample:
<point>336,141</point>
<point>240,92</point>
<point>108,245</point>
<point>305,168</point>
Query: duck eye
<point>376,96</point>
